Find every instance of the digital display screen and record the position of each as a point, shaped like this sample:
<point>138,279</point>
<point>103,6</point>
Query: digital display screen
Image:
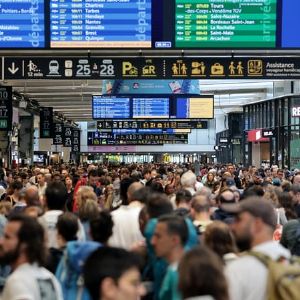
<point>144,108</point>
<point>22,24</point>
<point>194,108</point>
<point>149,24</point>
<point>111,108</point>
<point>154,107</point>
<point>96,138</point>
<point>100,24</point>
<point>226,24</point>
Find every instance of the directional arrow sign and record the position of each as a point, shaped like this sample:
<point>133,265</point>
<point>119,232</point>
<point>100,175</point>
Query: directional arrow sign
<point>13,69</point>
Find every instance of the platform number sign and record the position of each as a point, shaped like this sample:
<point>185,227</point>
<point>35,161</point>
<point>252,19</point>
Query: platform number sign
<point>76,140</point>
<point>46,122</point>
<point>67,136</point>
<point>58,134</point>
<point>5,108</point>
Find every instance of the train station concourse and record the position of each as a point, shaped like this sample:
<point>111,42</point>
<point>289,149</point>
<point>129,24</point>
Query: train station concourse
<point>149,150</point>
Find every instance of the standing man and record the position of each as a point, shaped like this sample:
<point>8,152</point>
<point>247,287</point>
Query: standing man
<point>23,248</point>
<point>253,228</point>
<point>231,169</point>
<point>170,236</point>
<point>41,185</point>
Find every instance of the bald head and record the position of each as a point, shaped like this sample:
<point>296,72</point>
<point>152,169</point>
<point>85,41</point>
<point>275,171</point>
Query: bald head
<point>297,179</point>
<point>135,186</point>
<point>32,196</point>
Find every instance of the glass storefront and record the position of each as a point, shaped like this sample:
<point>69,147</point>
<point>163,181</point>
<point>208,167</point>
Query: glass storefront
<point>282,117</point>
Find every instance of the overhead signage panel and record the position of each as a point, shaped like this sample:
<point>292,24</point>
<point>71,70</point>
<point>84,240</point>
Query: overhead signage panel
<point>75,140</point>
<point>46,122</point>
<point>67,136</point>
<point>159,68</point>
<point>58,133</point>
<point>97,138</point>
<point>6,110</point>
<point>153,124</point>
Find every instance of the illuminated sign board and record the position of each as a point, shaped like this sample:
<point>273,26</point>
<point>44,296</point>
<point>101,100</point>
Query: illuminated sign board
<point>22,24</point>
<point>149,24</point>
<point>155,107</point>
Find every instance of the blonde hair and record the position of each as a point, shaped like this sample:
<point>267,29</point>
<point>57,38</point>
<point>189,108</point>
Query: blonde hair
<point>84,193</point>
<point>88,210</point>
<point>5,207</point>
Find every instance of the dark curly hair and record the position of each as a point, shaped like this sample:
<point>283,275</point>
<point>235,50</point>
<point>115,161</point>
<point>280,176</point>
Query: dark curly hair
<point>32,235</point>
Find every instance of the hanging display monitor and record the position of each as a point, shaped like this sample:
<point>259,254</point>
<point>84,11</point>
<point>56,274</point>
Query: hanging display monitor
<point>111,108</point>
<point>193,107</point>
<point>225,24</point>
<point>100,24</point>
<point>22,24</point>
<point>144,108</point>
<point>149,24</point>
<point>153,107</point>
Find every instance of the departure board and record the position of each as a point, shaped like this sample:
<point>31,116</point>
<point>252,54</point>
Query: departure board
<point>100,24</point>
<point>225,24</point>
<point>144,108</point>
<point>111,108</point>
<point>22,24</point>
<point>158,106</point>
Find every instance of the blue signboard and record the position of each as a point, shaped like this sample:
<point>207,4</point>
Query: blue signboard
<point>22,24</point>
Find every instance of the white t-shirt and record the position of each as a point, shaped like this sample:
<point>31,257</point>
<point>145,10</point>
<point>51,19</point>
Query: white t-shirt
<point>49,220</point>
<point>126,231</point>
<point>247,276</point>
<point>31,282</point>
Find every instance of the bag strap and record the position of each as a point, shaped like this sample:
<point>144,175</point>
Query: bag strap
<point>263,258</point>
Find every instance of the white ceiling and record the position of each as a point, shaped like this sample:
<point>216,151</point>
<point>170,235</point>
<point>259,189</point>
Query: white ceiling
<point>72,98</point>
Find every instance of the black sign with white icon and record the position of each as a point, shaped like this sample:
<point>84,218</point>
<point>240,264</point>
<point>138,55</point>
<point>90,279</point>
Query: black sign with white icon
<point>154,68</point>
<point>268,133</point>
<point>58,133</point>
<point>139,124</point>
<point>97,138</point>
<point>67,136</point>
<point>46,122</point>
<point>76,140</point>
<point>6,108</point>
<point>223,140</point>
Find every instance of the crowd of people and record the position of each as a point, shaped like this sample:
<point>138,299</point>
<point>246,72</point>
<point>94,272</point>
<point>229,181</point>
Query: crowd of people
<point>145,231</point>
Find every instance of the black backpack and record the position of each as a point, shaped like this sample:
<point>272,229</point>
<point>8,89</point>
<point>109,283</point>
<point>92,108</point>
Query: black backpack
<point>295,250</point>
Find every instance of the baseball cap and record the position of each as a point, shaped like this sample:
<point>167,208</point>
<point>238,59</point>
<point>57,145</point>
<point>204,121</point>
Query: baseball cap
<point>230,181</point>
<point>257,207</point>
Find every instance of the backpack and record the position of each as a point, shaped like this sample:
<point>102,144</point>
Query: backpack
<point>69,270</point>
<point>283,281</point>
<point>295,250</point>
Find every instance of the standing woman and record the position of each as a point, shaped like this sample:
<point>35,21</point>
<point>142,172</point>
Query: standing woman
<point>70,190</point>
<point>201,276</point>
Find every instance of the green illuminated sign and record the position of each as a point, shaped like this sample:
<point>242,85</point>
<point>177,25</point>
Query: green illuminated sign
<point>225,24</point>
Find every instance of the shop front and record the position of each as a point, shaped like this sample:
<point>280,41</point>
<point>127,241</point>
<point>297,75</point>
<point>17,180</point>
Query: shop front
<point>272,132</point>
